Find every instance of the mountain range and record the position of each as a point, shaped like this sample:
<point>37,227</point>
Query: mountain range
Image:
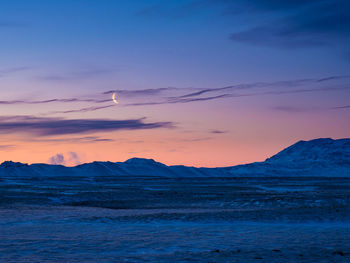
<point>319,157</point>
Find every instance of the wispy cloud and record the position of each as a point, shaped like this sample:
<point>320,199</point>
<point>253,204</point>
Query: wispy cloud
<point>180,99</point>
<point>59,126</point>
<point>197,139</point>
<point>6,146</point>
<point>85,139</point>
<point>76,75</point>
<point>290,24</point>
<point>172,95</point>
<point>74,158</point>
<point>341,107</point>
<point>7,71</point>
<point>142,92</point>
<point>175,100</point>
<point>218,131</point>
<point>290,109</point>
<point>55,100</point>
<point>332,78</point>
<point>260,85</point>
<point>71,158</point>
<point>87,109</point>
<point>98,98</point>
<point>57,159</point>
<point>299,25</point>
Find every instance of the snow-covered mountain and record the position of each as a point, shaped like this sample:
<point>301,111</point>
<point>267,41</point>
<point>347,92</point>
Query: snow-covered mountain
<point>315,152</point>
<point>320,157</point>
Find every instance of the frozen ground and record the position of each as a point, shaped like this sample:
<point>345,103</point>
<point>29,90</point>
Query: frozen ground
<point>152,219</point>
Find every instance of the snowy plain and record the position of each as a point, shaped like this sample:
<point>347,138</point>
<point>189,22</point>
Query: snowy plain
<point>153,219</point>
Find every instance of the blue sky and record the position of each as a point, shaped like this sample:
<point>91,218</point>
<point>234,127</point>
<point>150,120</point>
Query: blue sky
<point>84,48</point>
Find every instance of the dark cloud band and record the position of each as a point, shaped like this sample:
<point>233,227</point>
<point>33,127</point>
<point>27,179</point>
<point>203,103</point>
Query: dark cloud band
<point>57,126</point>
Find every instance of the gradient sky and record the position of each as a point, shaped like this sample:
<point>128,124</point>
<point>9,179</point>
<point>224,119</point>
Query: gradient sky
<point>199,82</point>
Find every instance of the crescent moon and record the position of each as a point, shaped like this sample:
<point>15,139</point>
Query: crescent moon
<point>114,98</point>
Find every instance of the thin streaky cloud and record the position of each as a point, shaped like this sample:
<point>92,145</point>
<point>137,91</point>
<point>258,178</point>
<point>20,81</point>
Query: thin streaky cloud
<point>180,99</point>
<point>188,97</point>
<point>199,93</point>
<point>277,84</point>
<point>86,139</point>
<point>69,100</point>
<point>6,146</point>
<point>218,131</point>
<point>291,109</point>
<point>333,78</point>
<point>146,92</point>
<point>147,103</point>
<point>302,91</point>
<point>126,93</point>
<point>317,24</point>
<point>87,109</point>
<point>78,75</point>
<point>138,92</point>
<point>195,139</point>
<point>293,24</point>
<point>341,107</point>
<point>7,71</point>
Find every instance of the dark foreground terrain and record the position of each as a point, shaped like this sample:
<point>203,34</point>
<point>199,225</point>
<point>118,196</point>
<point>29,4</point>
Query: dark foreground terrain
<point>153,219</point>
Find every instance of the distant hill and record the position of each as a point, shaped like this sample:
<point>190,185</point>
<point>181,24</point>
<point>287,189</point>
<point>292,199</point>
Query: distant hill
<point>320,157</point>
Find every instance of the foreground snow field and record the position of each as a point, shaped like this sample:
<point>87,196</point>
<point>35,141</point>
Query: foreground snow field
<point>157,219</point>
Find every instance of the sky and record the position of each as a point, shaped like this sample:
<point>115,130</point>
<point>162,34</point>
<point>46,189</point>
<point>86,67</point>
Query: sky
<point>198,82</point>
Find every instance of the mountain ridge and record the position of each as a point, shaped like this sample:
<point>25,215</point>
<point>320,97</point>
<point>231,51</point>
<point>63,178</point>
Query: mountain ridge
<point>318,157</point>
